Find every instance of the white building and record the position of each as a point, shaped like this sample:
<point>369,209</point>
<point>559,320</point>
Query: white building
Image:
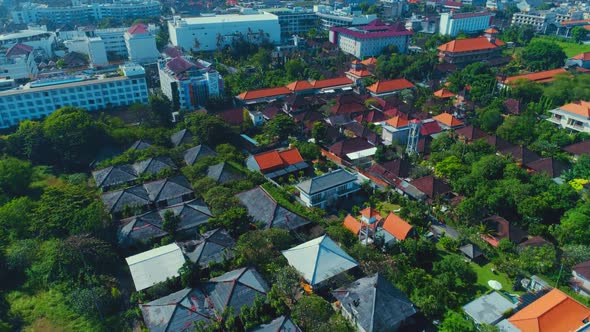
<point>36,38</point>
<point>296,21</point>
<point>18,63</point>
<point>538,20</point>
<point>188,84</point>
<point>325,190</point>
<point>137,43</point>
<point>344,17</point>
<point>84,13</point>
<point>370,40</point>
<point>153,266</point>
<point>574,116</point>
<point>451,24</point>
<point>141,44</point>
<point>208,33</point>
<point>38,99</point>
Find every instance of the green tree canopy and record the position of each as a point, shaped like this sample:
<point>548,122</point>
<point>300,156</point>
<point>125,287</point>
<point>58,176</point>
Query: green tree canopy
<point>543,55</point>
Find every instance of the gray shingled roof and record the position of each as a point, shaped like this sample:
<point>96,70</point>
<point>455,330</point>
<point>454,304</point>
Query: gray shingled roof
<point>280,324</point>
<point>139,145</point>
<point>326,181</point>
<point>177,312</point>
<point>114,176</point>
<point>149,225</point>
<point>181,137</point>
<point>376,304</point>
<point>213,246</point>
<point>471,251</point>
<point>222,173</point>
<point>262,207</point>
<point>236,289</point>
<point>154,165</point>
<point>169,188</point>
<point>195,153</point>
<point>135,196</point>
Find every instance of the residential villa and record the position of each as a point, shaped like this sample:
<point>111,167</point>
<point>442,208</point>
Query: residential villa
<point>465,51</point>
<point>581,278</point>
<point>325,190</point>
<point>390,87</point>
<point>574,116</point>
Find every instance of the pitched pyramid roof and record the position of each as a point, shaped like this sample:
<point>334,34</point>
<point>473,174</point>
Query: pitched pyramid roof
<point>377,304</point>
<point>177,312</point>
<point>319,259</point>
<point>138,29</point>
<point>553,312</point>
<point>444,93</point>
<point>581,108</point>
<point>236,289</point>
<point>448,120</point>
<point>398,122</point>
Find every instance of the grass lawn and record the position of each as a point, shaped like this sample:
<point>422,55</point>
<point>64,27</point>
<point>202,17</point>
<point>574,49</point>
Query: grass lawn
<point>570,48</point>
<point>385,208</point>
<point>485,274</point>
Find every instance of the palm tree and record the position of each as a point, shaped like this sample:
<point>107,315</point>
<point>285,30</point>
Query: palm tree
<point>485,230</point>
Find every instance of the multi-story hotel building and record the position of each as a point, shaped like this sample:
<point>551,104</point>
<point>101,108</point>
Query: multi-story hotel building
<point>370,40</point>
<point>38,99</point>
<point>451,24</point>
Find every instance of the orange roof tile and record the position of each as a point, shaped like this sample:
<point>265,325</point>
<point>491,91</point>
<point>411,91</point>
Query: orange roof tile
<point>370,212</point>
<point>264,93</point>
<point>582,56</point>
<point>448,120</point>
<point>391,85</point>
<point>581,108</point>
<point>444,93</point>
<point>397,122</point>
<point>553,312</point>
<point>356,62</point>
<point>359,73</point>
<point>299,86</point>
<point>491,30</point>
<point>469,45</point>
<point>397,227</point>
<point>369,61</point>
<point>331,82</point>
<point>539,77</point>
<point>291,156</point>
<point>271,160</point>
<point>352,224</point>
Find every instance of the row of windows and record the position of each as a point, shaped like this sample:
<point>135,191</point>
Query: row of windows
<point>82,99</point>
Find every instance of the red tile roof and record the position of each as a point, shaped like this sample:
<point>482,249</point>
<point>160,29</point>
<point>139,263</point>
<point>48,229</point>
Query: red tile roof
<point>581,108</point>
<point>300,86</point>
<point>539,77</point>
<point>552,167</point>
<point>471,133</point>
<point>370,213</point>
<point>234,116</point>
<point>553,312</point>
<point>431,186</point>
<point>579,148</point>
<point>503,230</point>
<point>470,45</point>
<point>521,154</point>
<point>18,49</point>
<point>512,105</point>
<point>582,56</point>
<point>429,128</point>
<point>331,82</point>
<point>264,93</point>
<point>491,30</point>
<point>398,122</point>
<point>352,224</point>
<point>397,227</point>
<point>448,120</point>
<point>369,61</point>
<point>391,85</point>
<point>138,29</point>
<point>359,73</point>
<point>273,160</point>
<point>583,269</point>
<point>179,65</point>
<point>444,93</point>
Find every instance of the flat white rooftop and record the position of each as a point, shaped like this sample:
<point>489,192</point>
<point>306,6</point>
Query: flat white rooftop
<point>230,18</point>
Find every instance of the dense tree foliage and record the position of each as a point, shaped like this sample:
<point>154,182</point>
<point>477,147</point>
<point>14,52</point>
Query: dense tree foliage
<point>543,55</point>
